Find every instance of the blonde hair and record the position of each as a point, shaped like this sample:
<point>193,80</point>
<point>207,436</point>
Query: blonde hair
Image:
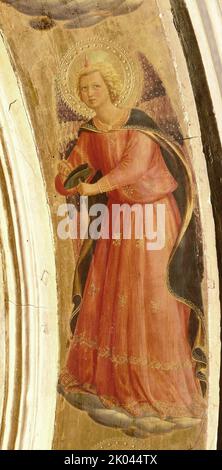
<point>109,75</point>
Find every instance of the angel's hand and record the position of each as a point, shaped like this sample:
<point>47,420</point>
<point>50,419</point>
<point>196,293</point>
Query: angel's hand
<point>86,189</point>
<point>64,169</point>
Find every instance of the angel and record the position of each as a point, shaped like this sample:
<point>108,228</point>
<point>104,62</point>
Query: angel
<point>131,346</point>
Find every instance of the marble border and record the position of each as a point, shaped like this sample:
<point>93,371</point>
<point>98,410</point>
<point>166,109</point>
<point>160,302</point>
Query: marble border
<point>29,340</point>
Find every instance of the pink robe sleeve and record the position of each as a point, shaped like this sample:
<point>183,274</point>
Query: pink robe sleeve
<point>136,161</point>
<point>78,156</point>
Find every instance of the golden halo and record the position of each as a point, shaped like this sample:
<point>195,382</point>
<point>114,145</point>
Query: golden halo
<point>98,50</point>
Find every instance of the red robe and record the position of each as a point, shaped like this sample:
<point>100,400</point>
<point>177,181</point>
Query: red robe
<point>130,345</point>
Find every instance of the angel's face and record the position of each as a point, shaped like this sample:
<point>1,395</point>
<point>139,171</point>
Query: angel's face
<point>93,90</point>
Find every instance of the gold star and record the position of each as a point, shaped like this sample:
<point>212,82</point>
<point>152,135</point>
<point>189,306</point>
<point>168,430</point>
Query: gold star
<point>122,299</point>
<point>93,289</point>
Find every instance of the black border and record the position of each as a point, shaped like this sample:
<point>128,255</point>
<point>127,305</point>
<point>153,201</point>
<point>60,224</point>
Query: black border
<point>68,459</point>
